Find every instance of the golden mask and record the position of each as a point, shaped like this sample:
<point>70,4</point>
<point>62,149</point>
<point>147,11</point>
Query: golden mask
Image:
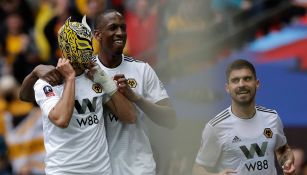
<point>75,41</point>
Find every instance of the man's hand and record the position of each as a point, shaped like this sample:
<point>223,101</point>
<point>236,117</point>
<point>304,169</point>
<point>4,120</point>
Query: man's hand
<point>65,68</point>
<point>90,71</point>
<point>227,172</point>
<point>288,167</point>
<point>49,74</point>
<point>124,88</point>
<point>285,158</point>
<point>99,76</point>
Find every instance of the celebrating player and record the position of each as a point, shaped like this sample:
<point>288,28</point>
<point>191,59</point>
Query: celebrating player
<point>73,123</point>
<point>244,138</point>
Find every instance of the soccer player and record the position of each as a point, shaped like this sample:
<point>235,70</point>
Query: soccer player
<point>129,146</point>
<point>130,149</point>
<point>74,132</point>
<point>244,138</point>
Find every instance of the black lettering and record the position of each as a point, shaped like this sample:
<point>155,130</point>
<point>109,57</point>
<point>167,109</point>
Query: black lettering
<point>265,164</point>
<point>260,165</point>
<point>251,166</point>
<point>83,121</point>
<point>86,103</point>
<point>254,148</point>
<point>112,117</point>
<point>90,120</point>
<point>96,121</point>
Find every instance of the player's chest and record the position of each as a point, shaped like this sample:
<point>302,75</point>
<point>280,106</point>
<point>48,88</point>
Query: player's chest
<point>257,145</point>
<point>86,87</point>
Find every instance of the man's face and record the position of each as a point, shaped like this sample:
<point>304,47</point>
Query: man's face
<point>112,34</point>
<point>242,86</point>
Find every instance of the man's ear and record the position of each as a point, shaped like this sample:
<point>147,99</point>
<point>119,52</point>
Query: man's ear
<point>97,35</point>
<point>227,88</point>
<point>257,84</point>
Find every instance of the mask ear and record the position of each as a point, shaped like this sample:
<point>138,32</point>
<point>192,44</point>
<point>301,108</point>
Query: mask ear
<point>85,23</point>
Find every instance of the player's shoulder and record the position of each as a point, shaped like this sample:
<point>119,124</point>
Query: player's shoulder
<point>132,62</point>
<point>220,117</point>
<point>41,82</point>
<point>136,64</point>
<point>265,110</point>
<point>129,59</point>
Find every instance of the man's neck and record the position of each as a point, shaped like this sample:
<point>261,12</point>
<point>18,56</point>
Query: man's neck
<point>244,112</point>
<point>110,61</point>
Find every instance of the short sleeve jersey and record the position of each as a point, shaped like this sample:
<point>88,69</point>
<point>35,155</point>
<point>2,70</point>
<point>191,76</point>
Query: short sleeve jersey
<point>129,146</point>
<point>244,145</point>
<point>81,148</point>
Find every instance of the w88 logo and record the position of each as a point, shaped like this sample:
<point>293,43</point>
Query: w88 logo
<point>90,120</point>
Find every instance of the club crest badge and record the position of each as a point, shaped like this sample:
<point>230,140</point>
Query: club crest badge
<point>268,133</point>
<point>131,82</point>
<point>97,88</point>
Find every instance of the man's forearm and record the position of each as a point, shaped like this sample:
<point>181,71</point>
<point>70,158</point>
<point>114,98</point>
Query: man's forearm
<point>26,92</point>
<point>161,112</point>
<point>61,114</point>
<point>123,108</point>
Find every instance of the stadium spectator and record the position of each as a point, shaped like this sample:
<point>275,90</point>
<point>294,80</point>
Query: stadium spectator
<point>142,30</point>
<point>23,131</point>
<point>5,168</point>
<point>63,9</point>
<point>15,41</point>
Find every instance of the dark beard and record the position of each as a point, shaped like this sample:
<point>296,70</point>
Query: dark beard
<point>245,103</point>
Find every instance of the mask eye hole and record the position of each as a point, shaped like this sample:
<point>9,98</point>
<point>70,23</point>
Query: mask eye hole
<point>82,44</point>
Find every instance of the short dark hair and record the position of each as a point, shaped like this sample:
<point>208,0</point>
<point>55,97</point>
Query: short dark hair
<point>99,19</point>
<point>239,64</point>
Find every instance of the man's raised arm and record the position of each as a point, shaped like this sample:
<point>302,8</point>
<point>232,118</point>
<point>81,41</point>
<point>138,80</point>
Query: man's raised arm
<point>46,72</point>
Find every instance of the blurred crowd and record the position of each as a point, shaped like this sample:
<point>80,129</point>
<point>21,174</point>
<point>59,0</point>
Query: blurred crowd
<point>167,34</point>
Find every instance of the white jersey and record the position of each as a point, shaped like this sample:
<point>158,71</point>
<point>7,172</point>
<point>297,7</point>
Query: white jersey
<point>129,146</point>
<point>81,148</point>
<point>244,145</point>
